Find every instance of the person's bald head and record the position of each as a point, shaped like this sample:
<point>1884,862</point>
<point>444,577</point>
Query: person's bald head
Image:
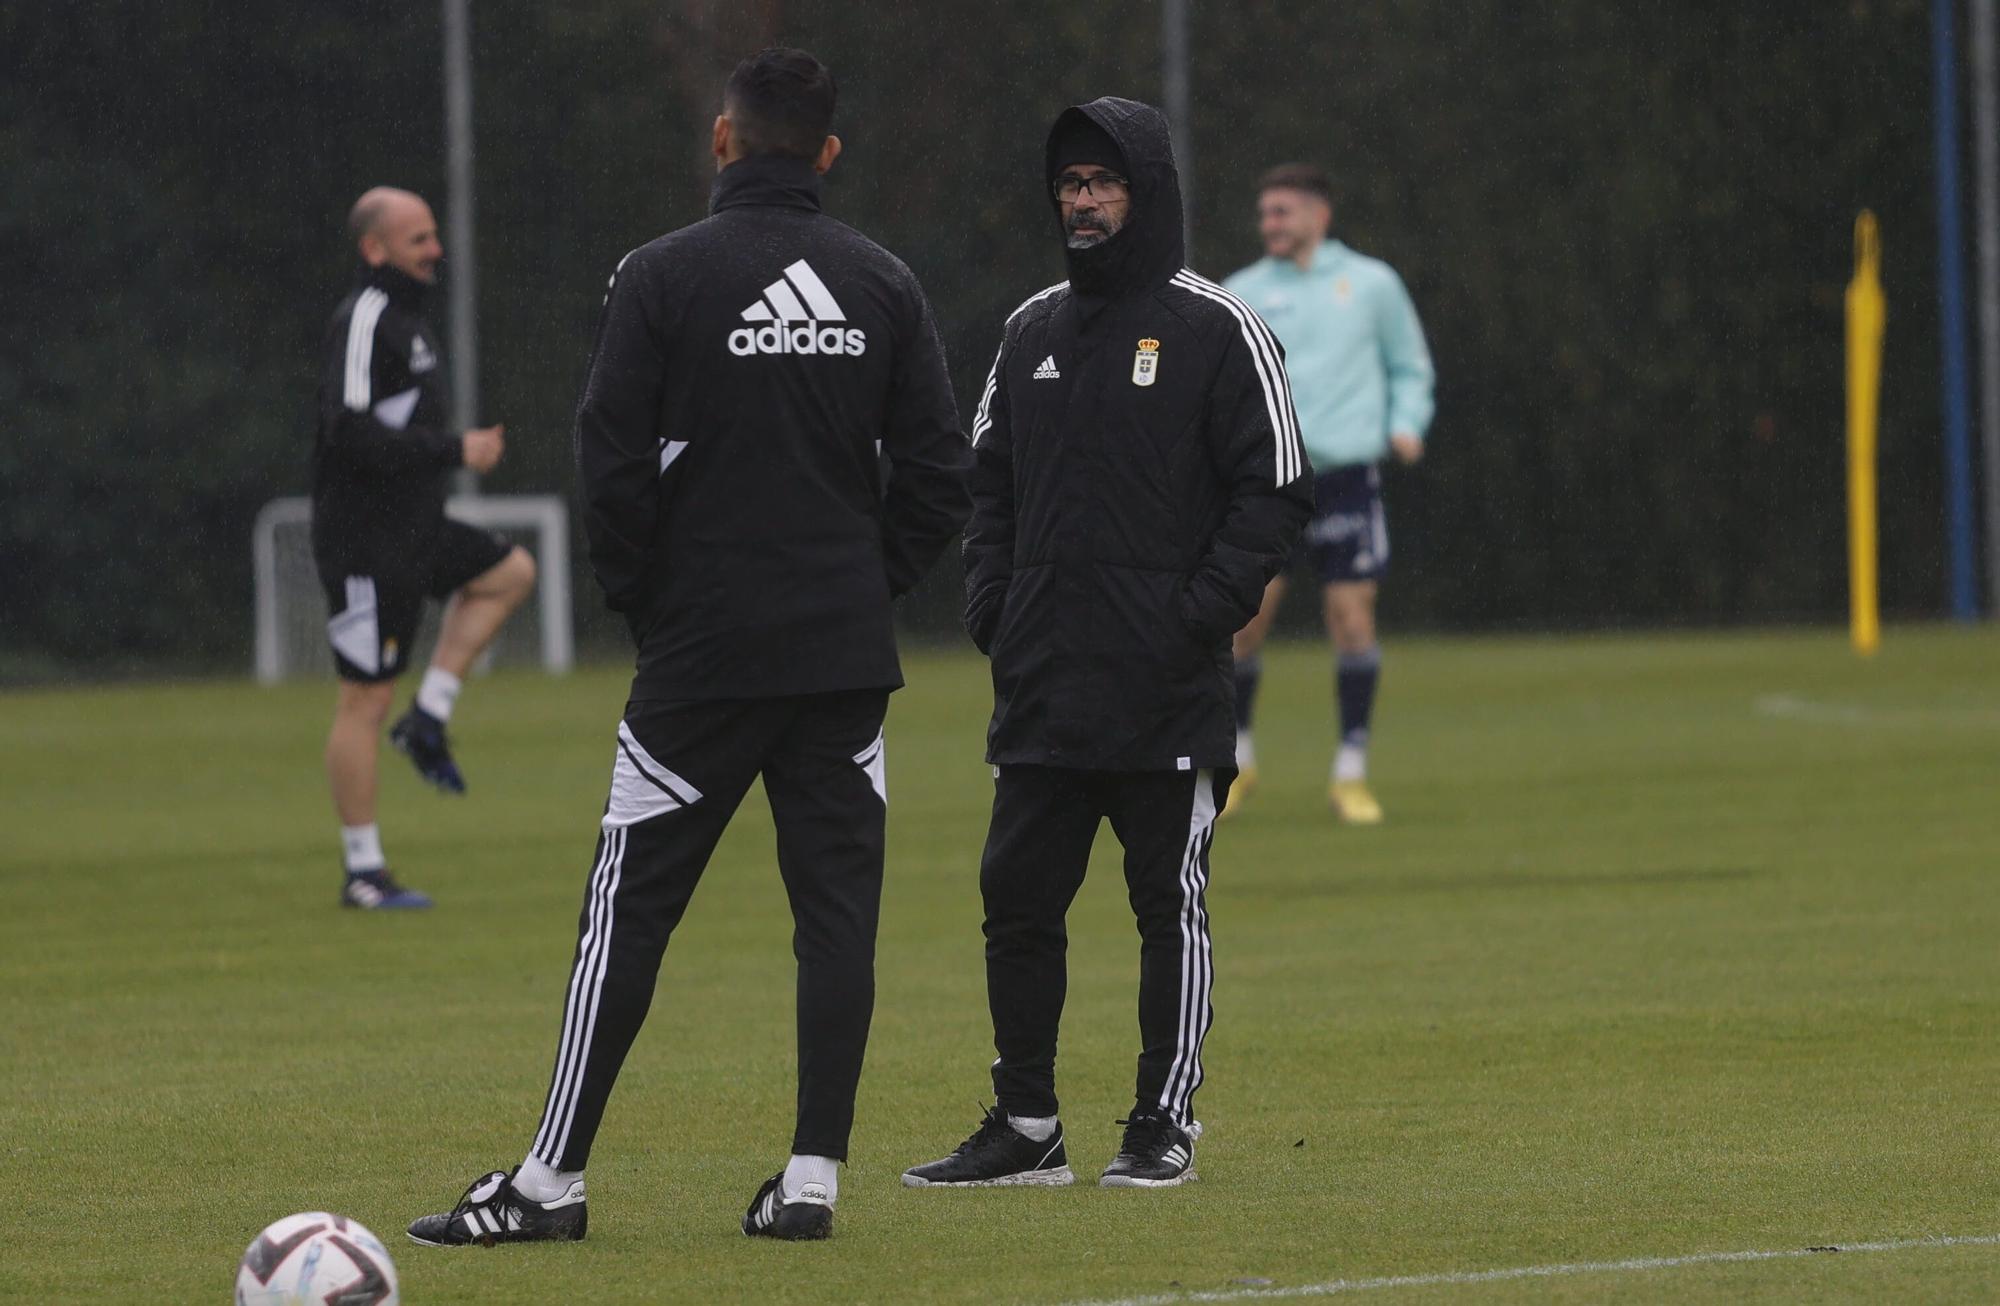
<point>395,228</point>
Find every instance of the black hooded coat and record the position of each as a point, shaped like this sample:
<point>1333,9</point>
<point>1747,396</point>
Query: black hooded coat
<point>1138,479</point>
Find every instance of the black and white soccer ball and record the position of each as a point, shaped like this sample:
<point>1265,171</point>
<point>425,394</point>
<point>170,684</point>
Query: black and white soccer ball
<point>317,1258</point>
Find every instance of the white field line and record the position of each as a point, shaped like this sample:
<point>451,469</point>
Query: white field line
<point>1637,1265</point>
<point>1794,708</point>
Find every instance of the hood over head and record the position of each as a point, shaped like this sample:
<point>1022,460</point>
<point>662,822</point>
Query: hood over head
<point>1148,249</point>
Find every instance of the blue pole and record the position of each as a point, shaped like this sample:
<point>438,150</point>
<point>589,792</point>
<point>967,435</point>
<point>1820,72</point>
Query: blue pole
<point>1951,314</point>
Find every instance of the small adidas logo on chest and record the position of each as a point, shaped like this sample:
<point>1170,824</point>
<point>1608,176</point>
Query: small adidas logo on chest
<point>1048,371</point>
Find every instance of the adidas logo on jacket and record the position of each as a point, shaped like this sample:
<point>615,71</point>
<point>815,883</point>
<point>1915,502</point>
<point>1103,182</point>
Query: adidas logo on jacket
<point>798,296</point>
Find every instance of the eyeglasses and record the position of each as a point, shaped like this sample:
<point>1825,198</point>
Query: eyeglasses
<point>1104,186</point>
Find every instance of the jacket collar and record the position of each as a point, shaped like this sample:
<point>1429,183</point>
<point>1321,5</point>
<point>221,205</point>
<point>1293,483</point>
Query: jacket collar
<point>1328,256</point>
<point>404,291</point>
<point>769,179</point>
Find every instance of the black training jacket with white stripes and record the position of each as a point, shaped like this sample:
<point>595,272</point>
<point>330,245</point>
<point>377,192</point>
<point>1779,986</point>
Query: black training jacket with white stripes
<point>767,445</point>
<point>382,457</point>
<point>1138,478</point>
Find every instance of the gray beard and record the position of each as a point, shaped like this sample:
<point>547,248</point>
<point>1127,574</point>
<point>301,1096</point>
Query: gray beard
<point>1084,237</point>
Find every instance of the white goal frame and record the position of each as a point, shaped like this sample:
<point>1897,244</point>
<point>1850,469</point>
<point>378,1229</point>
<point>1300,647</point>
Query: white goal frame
<point>545,514</point>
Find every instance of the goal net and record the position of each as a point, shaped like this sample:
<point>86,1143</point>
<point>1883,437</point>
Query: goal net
<point>291,607</point>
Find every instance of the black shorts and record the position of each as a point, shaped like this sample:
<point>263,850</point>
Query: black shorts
<point>1348,536</point>
<point>373,608</point>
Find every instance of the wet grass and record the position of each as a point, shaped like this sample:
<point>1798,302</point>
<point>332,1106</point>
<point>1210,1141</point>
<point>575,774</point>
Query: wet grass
<point>1670,945</point>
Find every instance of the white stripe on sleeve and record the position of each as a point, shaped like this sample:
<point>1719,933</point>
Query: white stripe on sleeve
<point>1289,454</point>
<point>368,306</point>
<point>982,420</point>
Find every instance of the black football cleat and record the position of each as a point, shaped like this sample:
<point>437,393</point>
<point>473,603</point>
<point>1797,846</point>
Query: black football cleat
<point>803,1217</point>
<point>1156,1153</point>
<point>492,1212</point>
<point>420,737</point>
<point>996,1156</point>
<point>378,891</point>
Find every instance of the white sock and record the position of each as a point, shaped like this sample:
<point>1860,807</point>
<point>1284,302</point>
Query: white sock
<point>1246,751</point>
<point>1039,1128</point>
<point>361,848</point>
<point>803,1170</point>
<point>438,692</point>
<point>1350,763</point>
<point>540,1182</point>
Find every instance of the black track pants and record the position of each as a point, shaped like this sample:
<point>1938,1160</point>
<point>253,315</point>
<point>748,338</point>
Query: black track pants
<point>680,771</point>
<point>1044,821</point>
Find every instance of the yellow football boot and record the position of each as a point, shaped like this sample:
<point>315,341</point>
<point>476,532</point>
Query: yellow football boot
<point>1353,803</point>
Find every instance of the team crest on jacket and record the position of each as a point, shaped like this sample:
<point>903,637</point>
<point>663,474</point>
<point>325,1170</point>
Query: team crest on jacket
<point>1146,363</point>
<point>421,357</point>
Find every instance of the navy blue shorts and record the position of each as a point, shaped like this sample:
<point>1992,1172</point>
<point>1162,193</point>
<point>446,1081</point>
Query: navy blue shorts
<point>1348,536</point>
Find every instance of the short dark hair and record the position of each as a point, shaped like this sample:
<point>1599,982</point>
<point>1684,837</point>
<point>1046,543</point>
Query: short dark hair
<point>1297,176</point>
<point>780,101</point>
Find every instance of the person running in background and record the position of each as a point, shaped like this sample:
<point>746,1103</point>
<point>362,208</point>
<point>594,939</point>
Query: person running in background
<point>1362,379</point>
<point>381,541</point>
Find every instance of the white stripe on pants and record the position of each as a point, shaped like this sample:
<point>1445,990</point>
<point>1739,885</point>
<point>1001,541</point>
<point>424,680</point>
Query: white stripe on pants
<point>586,985</point>
<point>1197,962</point>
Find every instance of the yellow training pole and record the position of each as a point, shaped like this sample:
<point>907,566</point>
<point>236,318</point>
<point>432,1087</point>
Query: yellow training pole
<point>1865,317</point>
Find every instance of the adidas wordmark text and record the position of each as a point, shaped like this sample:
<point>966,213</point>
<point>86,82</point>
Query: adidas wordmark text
<point>798,297</point>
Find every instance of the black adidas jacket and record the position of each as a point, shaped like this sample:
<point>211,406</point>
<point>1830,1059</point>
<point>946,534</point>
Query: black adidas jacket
<point>382,457</point>
<point>1138,479</point>
<point>752,374</point>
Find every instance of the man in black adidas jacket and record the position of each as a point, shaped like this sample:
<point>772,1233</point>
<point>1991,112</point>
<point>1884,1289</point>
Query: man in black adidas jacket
<point>380,538</point>
<point>751,374</point>
<point>1138,480</point>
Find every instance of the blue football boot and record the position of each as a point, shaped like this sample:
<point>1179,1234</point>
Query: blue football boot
<point>420,737</point>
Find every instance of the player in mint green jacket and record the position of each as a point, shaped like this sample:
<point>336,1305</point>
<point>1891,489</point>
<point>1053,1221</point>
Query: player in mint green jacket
<point>1361,379</point>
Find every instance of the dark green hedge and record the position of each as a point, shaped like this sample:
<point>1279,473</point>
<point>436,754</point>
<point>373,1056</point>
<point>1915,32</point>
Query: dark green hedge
<point>1626,225</point>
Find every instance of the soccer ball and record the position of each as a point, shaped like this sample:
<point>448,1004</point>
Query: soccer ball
<point>326,1260</point>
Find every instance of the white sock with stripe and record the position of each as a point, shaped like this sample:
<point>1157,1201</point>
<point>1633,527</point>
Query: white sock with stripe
<point>361,848</point>
<point>540,1182</point>
<point>438,693</point>
<point>802,1170</point>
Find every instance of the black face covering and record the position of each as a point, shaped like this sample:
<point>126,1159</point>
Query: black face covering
<point>1148,249</point>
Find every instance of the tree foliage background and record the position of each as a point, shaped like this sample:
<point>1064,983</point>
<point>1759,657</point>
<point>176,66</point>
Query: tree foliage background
<point>1627,227</point>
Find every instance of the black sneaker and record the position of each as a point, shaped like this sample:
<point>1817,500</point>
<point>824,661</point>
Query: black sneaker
<point>492,1212</point>
<point>377,891</point>
<point>806,1216</point>
<point>1156,1153</point>
<point>997,1155</point>
<point>419,736</point>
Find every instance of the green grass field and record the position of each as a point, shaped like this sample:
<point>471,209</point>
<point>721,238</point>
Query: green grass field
<point>1672,945</point>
